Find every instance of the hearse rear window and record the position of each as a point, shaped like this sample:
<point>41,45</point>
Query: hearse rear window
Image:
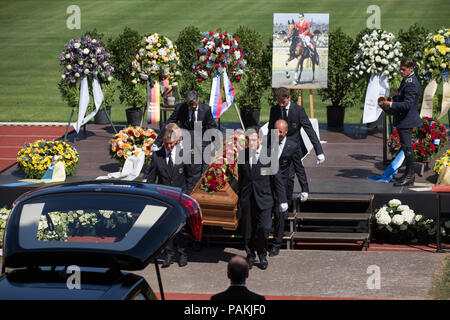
<point>88,217</point>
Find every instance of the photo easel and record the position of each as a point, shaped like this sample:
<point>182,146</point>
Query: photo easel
<point>300,99</point>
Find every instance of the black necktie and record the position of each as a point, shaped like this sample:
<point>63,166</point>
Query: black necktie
<point>284,113</point>
<point>170,163</point>
<point>254,160</point>
<point>193,119</point>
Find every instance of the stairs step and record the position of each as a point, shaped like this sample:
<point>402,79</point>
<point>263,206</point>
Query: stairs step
<point>352,236</point>
<point>333,216</point>
<point>332,197</point>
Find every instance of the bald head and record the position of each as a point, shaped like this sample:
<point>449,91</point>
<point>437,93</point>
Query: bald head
<point>282,127</point>
<point>237,270</point>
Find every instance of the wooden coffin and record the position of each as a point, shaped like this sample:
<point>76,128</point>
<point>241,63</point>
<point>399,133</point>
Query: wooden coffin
<point>218,209</point>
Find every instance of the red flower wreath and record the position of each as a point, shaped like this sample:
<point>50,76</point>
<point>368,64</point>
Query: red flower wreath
<point>427,140</point>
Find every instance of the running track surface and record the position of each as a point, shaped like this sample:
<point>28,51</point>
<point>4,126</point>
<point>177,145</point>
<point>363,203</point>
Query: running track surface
<point>12,139</point>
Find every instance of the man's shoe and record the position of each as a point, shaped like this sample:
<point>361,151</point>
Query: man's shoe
<point>408,181</point>
<point>409,178</point>
<point>168,260</point>
<point>250,261</point>
<point>275,251</point>
<point>182,261</point>
<point>263,263</point>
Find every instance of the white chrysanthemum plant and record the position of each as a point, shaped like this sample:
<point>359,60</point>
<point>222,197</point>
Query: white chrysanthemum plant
<point>395,217</point>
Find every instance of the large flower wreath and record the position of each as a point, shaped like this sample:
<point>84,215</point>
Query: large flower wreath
<point>433,61</point>
<point>219,52</point>
<point>224,167</point>
<point>427,140</point>
<point>379,53</point>
<point>83,57</point>
<point>157,59</point>
<point>130,142</point>
<point>35,158</point>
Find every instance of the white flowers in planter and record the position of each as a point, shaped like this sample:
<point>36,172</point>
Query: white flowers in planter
<point>395,216</point>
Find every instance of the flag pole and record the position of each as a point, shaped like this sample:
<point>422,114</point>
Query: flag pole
<point>239,115</point>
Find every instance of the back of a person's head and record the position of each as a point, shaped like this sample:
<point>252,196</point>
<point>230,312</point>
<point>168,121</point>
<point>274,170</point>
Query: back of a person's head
<point>237,270</point>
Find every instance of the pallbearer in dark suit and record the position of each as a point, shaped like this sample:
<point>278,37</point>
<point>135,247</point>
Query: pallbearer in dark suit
<point>237,272</point>
<point>406,116</point>
<point>257,188</point>
<point>167,168</point>
<point>288,154</point>
<point>185,115</point>
<point>296,118</point>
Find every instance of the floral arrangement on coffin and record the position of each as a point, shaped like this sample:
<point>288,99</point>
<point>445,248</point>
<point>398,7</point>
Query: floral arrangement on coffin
<point>443,161</point>
<point>85,57</point>
<point>81,223</point>
<point>218,52</point>
<point>433,61</point>
<point>157,59</point>
<point>131,141</point>
<point>224,167</point>
<point>35,158</point>
<point>379,53</point>
<point>4,214</point>
<point>427,140</point>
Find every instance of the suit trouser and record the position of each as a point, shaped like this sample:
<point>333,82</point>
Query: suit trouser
<point>256,228</point>
<point>290,184</point>
<point>405,135</point>
<point>177,245</point>
<point>279,217</point>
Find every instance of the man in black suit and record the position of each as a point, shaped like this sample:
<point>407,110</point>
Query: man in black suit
<point>237,272</point>
<point>257,187</point>
<point>187,116</point>
<point>296,118</point>
<point>167,168</point>
<point>406,116</point>
<point>288,154</point>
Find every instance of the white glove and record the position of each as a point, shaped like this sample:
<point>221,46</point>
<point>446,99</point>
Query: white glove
<point>320,158</point>
<point>155,147</point>
<point>303,196</point>
<point>283,207</point>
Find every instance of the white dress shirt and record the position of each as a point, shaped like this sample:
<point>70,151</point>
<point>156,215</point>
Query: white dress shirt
<point>287,109</point>
<point>172,155</point>
<point>252,152</point>
<point>281,147</point>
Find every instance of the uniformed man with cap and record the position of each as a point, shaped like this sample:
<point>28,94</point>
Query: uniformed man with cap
<point>406,116</point>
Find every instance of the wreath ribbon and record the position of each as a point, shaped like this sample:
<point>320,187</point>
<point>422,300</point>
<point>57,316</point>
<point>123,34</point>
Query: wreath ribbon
<point>84,102</point>
<point>428,95</point>
<point>215,101</point>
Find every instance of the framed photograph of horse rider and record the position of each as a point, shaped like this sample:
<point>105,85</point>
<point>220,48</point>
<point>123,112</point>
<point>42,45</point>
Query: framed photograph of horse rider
<point>300,50</point>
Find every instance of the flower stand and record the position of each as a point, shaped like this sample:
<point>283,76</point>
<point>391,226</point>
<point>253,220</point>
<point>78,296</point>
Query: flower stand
<point>218,209</point>
<point>424,165</point>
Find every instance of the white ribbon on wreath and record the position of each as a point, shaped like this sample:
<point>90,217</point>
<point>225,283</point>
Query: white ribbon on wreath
<point>84,102</point>
<point>378,87</point>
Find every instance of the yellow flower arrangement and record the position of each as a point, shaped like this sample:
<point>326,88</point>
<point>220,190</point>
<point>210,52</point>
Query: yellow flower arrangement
<point>36,157</point>
<point>443,161</point>
<point>433,60</point>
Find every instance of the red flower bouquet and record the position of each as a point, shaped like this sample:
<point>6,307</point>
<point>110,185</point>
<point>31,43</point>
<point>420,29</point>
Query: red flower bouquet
<point>427,140</point>
<point>224,166</point>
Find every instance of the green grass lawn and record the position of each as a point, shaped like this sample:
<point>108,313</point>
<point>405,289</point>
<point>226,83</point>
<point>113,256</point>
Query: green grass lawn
<point>440,289</point>
<point>33,33</point>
